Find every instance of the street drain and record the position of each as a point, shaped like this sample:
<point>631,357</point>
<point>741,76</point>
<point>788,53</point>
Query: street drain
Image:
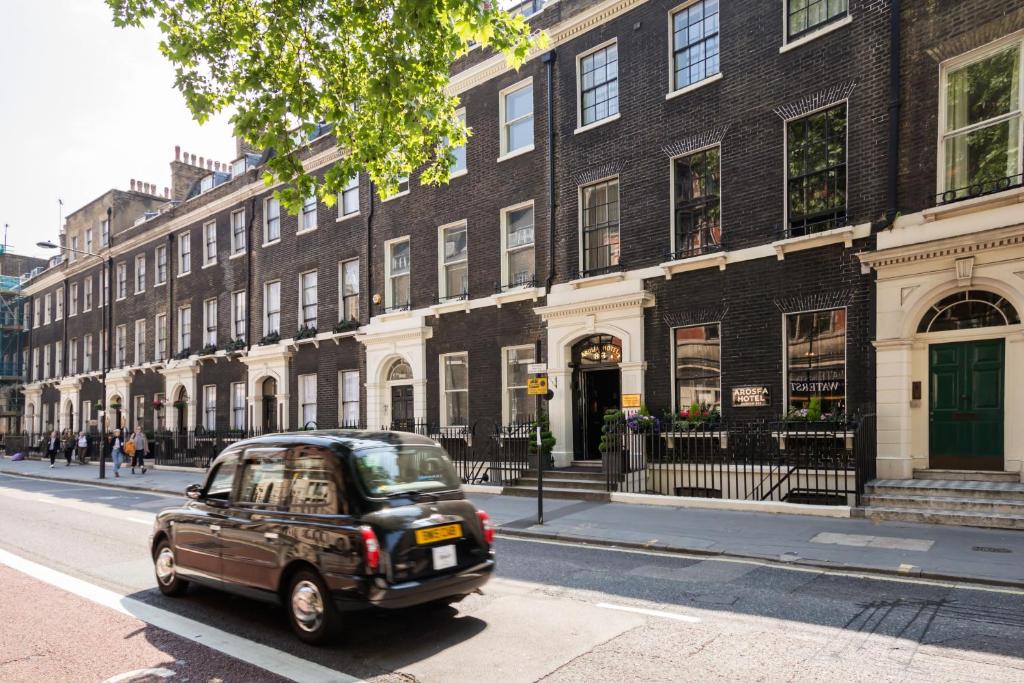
<point>986,549</point>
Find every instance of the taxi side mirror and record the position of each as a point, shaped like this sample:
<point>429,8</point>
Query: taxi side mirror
<point>194,491</point>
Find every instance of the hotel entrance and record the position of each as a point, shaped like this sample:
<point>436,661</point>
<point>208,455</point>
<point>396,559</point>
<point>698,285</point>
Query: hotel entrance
<point>596,387</point>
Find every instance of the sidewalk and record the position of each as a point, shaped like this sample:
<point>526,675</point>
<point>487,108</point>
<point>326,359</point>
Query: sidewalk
<point>989,556</point>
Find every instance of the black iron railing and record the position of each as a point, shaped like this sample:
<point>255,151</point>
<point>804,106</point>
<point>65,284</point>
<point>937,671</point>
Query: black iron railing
<point>520,283</point>
<point>802,228</point>
<point>797,462</point>
<point>979,189</point>
<point>699,249</point>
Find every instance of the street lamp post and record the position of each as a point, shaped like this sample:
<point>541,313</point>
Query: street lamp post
<point>108,320</point>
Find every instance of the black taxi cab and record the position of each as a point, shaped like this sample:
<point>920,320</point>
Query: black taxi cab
<point>326,523</point>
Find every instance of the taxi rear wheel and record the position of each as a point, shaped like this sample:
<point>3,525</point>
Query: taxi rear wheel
<point>311,610</point>
<point>167,579</point>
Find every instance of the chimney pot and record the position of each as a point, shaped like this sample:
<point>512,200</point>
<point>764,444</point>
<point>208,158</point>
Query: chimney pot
<point>177,152</point>
<point>133,184</point>
<point>202,161</point>
<point>167,191</point>
<point>192,159</point>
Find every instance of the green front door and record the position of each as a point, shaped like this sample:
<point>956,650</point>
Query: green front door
<point>965,412</point>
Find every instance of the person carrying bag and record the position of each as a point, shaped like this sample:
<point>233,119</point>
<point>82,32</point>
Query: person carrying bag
<point>140,449</point>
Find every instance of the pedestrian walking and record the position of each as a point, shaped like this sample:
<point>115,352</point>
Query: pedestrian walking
<point>82,447</point>
<point>68,443</point>
<point>52,446</point>
<point>141,445</point>
<point>117,451</point>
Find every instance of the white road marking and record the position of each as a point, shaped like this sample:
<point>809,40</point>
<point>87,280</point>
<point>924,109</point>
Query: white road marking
<point>129,675</point>
<point>95,508</point>
<point>772,565</point>
<point>147,522</point>
<point>650,612</point>
<point>267,658</point>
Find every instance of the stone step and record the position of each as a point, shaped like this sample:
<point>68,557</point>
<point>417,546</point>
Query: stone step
<point>596,475</point>
<point>594,464</point>
<point>555,482</point>
<point>967,475</point>
<point>950,517</point>
<point>951,489</point>
<point>572,494</point>
<point>945,503</point>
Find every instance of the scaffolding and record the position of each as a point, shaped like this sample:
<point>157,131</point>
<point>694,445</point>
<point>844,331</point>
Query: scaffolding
<point>11,354</point>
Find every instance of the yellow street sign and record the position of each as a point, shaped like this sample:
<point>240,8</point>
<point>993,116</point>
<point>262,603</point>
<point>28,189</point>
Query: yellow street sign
<point>630,401</point>
<point>537,386</point>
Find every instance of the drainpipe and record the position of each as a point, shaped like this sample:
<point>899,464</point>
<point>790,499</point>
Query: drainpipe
<point>369,255</point>
<point>892,166</point>
<point>172,315</point>
<point>248,275</point>
<point>549,60</point>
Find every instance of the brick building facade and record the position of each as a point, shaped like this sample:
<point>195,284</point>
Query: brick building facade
<point>668,203</point>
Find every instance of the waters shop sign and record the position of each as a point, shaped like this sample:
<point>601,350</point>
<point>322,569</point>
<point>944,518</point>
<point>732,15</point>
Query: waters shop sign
<point>831,387</point>
<point>750,397</point>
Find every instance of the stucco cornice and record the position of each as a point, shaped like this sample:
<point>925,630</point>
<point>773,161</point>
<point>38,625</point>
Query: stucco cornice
<point>633,300</point>
<point>945,248</point>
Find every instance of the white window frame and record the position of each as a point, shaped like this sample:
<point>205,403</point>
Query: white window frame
<point>48,308</point>
<point>210,326</point>
<point>160,337</point>
<point>266,221</point>
<point>442,265</point>
<point>505,249</point>
<point>236,308</point>
<point>238,407</point>
<point>184,257</point>
<point>267,329</point>
<point>87,292</point>
<point>307,216</point>
<point>184,327</point>
<point>58,304</point>
<point>120,346</point>
<point>460,113</point>
<point>403,181</point>
<point>139,410</point>
<point>87,364</point>
<point>35,374</point>
<point>442,363</point>
<point>674,350</point>
<point>506,388</point>
<point>316,302</point>
<point>672,191</point>
<point>785,155</point>
<point>46,362</point>
<point>88,240</point>
<point>957,63</point>
<point>239,240</point>
<point>58,358</point>
<point>160,253</point>
<point>388,244</point>
<point>140,341</point>
<point>105,232</point>
<point>210,407</point>
<point>209,229</point>
<point>121,283</point>
<point>507,153</point>
<point>580,227</point>
<point>823,29</point>
<point>351,186</point>
<point>73,356</point>
<point>307,399</point>
<point>784,402</point>
<point>580,126</point>
<point>341,288</point>
<point>346,400</point>
<point>140,273</point>
<point>37,312</point>
<point>673,91</point>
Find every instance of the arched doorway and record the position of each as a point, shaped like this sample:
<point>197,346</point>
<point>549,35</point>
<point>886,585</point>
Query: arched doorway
<point>181,409</point>
<point>268,407</point>
<point>596,388</point>
<point>116,406</point>
<point>399,380</point>
<point>966,379</point>
<point>69,415</point>
<point>30,418</point>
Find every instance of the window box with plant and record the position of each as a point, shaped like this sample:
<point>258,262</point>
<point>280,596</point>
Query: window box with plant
<point>208,350</point>
<point>183,354</point>
<point>272,338</point>
<point>344,326</point>
<point>234,345</point>
<point>305,332</point>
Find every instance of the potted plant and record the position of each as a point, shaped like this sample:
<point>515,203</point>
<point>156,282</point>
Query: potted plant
<point>183,354</point>
<point>305,332</point>
<point>272,338</point>
<point>547,443</point>
<point>208,350</point>
<point>234,345</point>
<point>346,326</point>
<point>115,405</point>
<point>179,404</point>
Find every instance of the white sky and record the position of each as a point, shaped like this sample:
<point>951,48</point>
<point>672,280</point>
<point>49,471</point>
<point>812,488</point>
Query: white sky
<point>84,107</point>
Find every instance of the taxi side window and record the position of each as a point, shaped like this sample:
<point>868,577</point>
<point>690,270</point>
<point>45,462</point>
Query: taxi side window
<point>312,488</point>
<point>263,481</point>
<point>222,479</point>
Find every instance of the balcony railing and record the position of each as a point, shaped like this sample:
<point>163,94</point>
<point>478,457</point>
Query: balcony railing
<point>518,283</point>
<point>594,272</point>
<point>694,250</point>
<point>809,227</point>
<point>979,189</point>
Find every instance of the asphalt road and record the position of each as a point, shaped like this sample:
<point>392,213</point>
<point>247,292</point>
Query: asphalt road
<point>557,612</point>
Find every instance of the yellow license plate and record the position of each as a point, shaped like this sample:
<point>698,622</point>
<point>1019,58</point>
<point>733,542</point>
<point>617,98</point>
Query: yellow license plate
<point>438,533</point>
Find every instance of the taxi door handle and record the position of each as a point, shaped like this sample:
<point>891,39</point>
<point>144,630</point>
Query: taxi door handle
<point>270,536</point>
<point>215,528</point>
